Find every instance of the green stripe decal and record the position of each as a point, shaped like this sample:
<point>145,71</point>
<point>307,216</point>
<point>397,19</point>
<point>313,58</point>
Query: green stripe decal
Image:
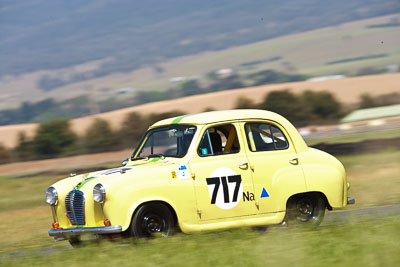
<point>178,120</point>
<point>86,180</point>
<point>79,186</point>
<point>155,159</point>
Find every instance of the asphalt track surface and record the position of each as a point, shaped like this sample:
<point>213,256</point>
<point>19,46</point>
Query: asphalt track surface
<point>343,216</point>
<point>331,218</point>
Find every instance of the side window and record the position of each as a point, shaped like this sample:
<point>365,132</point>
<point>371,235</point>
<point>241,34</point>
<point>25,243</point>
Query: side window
<point>265,137</point>
<point>219,140</point>
<point>279,139</point>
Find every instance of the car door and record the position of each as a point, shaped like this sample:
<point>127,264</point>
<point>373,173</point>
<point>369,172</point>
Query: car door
<point>222,173</point>
<point>276,168</point>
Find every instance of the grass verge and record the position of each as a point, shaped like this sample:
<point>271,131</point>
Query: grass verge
<point>359,242</point>
<point>25,218</point>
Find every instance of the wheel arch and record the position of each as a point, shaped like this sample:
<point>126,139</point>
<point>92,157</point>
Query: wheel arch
<point>171,209</point>
<point>311,193</point>
<point>136,207</point>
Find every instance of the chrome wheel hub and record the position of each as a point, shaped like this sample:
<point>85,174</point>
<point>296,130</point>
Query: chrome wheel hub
<point>153,223</point>
<point>305,209</point>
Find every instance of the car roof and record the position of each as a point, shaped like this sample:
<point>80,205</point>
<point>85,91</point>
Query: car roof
<point>237,114</point>
<point>220,116</point>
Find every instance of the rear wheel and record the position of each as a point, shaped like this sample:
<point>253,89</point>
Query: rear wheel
<point>152,219</point>
<point>306,209</point>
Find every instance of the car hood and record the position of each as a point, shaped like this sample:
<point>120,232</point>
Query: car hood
<point>135,171</point>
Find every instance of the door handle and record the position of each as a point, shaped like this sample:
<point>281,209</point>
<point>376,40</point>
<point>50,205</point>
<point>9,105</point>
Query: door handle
<point>294,161</point>
<point>244,166</point>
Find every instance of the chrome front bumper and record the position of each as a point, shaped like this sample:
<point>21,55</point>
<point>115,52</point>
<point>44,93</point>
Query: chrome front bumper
<point>86,230</point>
<point>351,200</point>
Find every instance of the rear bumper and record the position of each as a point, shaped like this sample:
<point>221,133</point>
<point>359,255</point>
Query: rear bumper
<point>351,200</point>
<point>86,230</point>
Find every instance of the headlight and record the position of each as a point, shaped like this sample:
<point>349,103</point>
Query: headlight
<point>99,193</point>
<point>51,196</point>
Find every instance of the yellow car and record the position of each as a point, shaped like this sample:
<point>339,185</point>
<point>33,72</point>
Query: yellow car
<point>203,172</point>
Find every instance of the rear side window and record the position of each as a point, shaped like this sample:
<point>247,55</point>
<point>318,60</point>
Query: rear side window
<point>265,137</point>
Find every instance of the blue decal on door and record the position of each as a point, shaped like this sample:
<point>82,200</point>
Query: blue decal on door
<point>264,193</point>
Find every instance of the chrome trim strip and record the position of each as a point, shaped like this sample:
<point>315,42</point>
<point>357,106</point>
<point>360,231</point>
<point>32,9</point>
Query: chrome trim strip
<point>86,230</point>
<point>351,200</point>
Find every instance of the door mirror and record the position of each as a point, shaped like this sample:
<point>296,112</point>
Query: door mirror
<point>125,161</point>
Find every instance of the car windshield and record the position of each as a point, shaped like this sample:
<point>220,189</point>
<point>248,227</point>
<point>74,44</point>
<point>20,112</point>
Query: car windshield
<point>166,141</point>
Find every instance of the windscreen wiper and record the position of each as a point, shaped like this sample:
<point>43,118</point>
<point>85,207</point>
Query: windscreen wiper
<point>133,159</point>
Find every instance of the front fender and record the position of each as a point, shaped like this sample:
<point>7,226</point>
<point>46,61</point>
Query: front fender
<point>139,202</point>
<point>125,199</point>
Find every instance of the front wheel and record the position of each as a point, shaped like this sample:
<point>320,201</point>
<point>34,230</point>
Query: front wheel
<point>306,209</point>
<point>75,241</point>
<point>152,219</point>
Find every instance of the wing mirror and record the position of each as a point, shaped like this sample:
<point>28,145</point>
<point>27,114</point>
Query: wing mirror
<point>125,161</point>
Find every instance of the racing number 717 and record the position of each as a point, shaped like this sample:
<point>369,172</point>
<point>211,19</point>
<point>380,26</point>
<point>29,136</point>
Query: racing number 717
<point>216,181</point>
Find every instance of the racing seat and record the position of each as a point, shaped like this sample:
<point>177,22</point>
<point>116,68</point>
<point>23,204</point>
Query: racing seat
<point>216,143</point>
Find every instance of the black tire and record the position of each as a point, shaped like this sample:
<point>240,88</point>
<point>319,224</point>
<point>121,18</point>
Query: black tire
<point>260,229</point>
<point>306,209</point>
<point>152,219</point>
<point>75,241</point>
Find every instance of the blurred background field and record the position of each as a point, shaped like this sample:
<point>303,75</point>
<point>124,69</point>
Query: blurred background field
<point>381,89</point>
<point>357,137</point>
<point>313,66</point>
<point>141,49</point>
<point>81,81</point>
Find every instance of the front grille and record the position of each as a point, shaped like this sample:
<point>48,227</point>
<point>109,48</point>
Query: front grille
<point>75,206</point>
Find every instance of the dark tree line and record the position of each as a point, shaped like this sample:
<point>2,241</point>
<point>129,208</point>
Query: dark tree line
<point>307,108</point>
<point>368,101</point>
<point>215,84</point>
<point>49,109</point>
<point>56,139</point>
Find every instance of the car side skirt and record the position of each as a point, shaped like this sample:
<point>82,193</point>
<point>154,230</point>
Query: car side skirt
<point>236,222</point>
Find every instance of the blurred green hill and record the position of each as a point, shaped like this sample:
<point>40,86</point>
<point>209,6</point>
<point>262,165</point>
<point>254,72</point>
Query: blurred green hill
<point>43,34</point>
